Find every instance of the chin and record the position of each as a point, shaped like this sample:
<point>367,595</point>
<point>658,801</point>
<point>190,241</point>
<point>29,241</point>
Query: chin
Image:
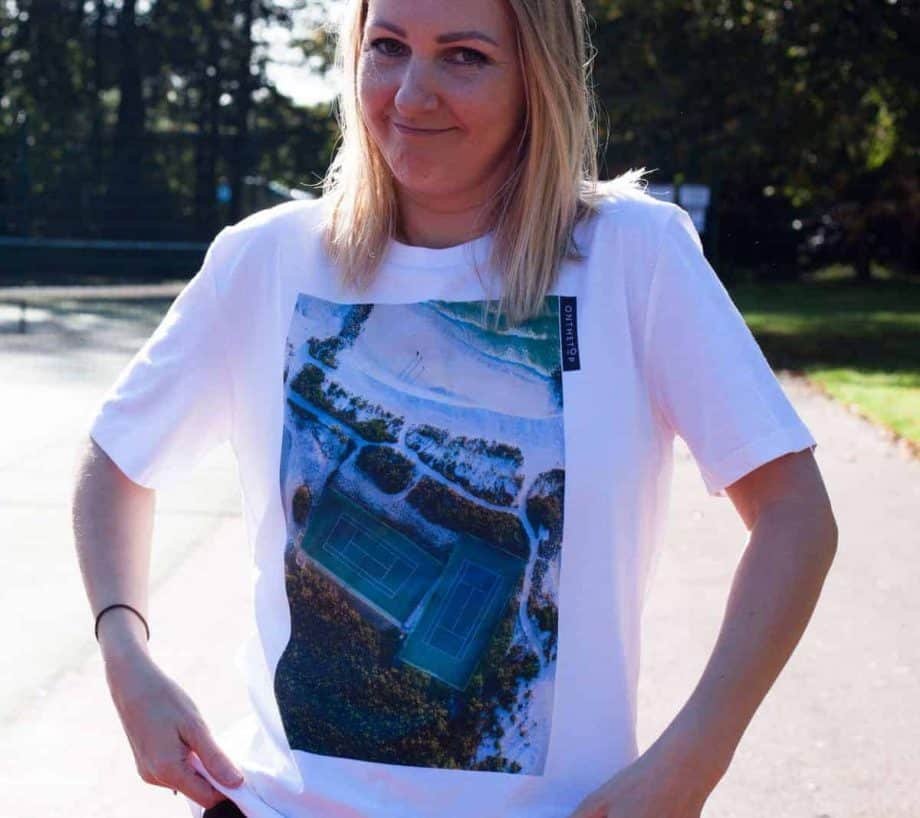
<point>436,183</point>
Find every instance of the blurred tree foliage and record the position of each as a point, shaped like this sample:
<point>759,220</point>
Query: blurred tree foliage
<point>122,117</point>
<point>791,111</point>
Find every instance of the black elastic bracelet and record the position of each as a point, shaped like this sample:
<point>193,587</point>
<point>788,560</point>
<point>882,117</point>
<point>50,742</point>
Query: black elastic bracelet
<point>121,605</point>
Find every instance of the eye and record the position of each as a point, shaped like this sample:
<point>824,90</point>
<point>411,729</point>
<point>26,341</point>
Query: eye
<point>470,57</point>
<point>385,46</point>
<point>388,47</point>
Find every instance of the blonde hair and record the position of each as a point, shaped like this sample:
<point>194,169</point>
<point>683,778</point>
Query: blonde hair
<point>552,186</point>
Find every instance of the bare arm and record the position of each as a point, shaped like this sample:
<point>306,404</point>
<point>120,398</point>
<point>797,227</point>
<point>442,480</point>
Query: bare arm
<point>793,540</point>
<point>773,596</point>
<point>113,529</point>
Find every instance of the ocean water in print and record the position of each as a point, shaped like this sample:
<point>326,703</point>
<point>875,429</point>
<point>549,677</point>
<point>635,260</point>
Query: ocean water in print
<point>422,476</point>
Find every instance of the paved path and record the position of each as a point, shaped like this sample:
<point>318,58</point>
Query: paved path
<point>836,735</point>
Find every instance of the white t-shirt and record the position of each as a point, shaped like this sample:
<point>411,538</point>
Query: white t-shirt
<point>453,525</point>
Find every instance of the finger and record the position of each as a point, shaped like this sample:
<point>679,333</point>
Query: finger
<point>588,808</point>
<point>187,781</point>
<point>197,736</point>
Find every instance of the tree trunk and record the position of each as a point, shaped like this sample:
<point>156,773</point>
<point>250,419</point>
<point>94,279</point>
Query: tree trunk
<point>241,147</point>
<point>129,131</point>
<point>208,145</point>
<point>95,146</point>
<point>863,262</point>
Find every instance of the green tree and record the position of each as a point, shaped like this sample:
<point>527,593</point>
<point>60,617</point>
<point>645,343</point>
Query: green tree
<point>118,119</point>
<point>786,109</point>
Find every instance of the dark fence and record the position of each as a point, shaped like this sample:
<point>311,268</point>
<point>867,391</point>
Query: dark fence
<point>169,186</point>
<point>69,215</point>
<point>81,261</point>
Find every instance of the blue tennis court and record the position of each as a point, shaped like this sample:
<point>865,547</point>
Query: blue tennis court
<point>372,558</point>
<point>369,557</point>
<point>469,598</point>
<point>464,608</point>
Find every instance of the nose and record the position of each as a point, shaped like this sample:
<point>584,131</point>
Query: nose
<point>417,90</point>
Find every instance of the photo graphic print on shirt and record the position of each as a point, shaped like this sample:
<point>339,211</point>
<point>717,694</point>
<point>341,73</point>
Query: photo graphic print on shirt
<point>422,477</point>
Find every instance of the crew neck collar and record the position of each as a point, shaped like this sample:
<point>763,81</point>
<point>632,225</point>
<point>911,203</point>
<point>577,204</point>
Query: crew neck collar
<point>457,255</point>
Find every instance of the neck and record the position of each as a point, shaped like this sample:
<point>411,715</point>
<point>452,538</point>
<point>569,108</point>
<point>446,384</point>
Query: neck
<point>422,225</point>
<point>426,221</point>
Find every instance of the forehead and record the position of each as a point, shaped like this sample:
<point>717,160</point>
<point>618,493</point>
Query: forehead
<point>433,17</point>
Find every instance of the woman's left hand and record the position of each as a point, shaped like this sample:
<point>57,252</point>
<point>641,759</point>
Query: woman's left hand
<point>653,786</point>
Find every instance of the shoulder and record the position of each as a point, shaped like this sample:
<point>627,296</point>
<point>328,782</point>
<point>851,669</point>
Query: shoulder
<point>625,209</point>
<point>275,222</point>
<point>630,225</point>
<point>242,254</point>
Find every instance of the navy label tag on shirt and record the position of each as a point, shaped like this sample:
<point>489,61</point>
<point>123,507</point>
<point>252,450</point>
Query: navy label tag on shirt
<point>568,333</point>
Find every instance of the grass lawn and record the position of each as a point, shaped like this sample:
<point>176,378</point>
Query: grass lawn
<point>861,343</point>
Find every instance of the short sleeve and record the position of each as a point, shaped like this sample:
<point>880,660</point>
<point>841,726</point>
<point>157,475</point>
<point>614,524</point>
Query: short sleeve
<point>708,378</point>
<point>171,404</point>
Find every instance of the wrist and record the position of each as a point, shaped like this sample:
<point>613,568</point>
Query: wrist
<point>684,754</point>
<point>122,636</point>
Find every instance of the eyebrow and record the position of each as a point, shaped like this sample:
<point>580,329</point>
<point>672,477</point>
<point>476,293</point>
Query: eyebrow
<point>450,37</point>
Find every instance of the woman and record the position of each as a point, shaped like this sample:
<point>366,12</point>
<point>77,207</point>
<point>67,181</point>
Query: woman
<point>455,498</point>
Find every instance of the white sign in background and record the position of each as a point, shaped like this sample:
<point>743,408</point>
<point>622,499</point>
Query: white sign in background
<point>692,198</point>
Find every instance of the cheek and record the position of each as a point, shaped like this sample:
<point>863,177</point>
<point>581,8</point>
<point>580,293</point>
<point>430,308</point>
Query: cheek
<point>493,116</point>
<point>375,89</point>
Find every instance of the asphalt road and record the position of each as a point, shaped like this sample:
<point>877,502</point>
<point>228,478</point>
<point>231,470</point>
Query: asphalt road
<point>835,737</point>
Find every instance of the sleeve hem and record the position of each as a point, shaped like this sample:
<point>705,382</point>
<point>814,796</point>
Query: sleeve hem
<point>742,461</point>
<point>124,464</point>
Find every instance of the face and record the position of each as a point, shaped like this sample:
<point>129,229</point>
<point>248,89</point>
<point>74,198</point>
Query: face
<point>441,93</point>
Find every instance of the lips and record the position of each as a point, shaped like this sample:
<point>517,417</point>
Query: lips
<point>420,131</point>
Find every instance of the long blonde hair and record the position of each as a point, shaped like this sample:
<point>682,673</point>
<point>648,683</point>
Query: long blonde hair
<point>552,186</point>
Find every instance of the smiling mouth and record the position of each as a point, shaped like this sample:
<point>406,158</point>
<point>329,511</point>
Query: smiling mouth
<point>420,131</point>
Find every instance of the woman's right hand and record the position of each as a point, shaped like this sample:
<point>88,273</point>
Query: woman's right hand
<point>163,727</point>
